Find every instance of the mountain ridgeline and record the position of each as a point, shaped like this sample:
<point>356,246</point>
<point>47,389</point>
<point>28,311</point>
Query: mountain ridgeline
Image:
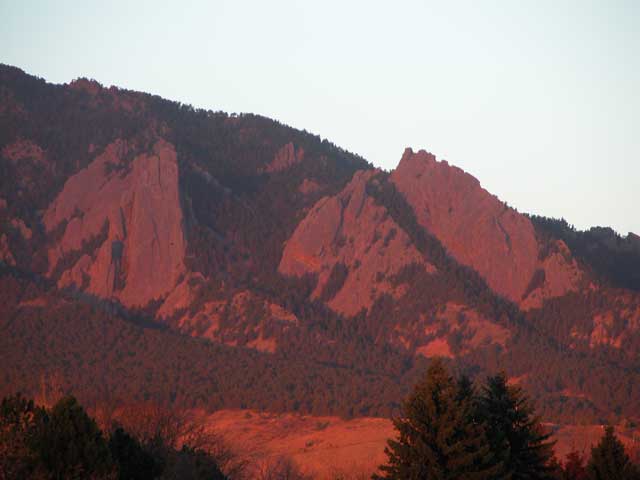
<point>156,252</point>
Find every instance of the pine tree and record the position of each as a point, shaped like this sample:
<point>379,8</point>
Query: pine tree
<point>134,463</point>
<point>437,435</point>
<point>516,436</point>
<point>609,460</point>
<point>71,445</point>
<point>574,467</point>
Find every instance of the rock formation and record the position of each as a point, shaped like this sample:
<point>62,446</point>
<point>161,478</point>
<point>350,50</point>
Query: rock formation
<point>352,231</point>
<point>141,257</point>
<point>286,157</point>
<point>479,230</point>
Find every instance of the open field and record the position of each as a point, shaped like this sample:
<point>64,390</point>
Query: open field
<point>330,447</point>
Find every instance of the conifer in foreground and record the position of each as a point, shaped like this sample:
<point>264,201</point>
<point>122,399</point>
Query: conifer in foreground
<point>515,434</point>
<point>438,437</point>
<point>609,461</point>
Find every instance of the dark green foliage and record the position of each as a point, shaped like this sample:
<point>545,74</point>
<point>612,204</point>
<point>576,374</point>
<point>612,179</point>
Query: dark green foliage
<point>609,461</point>
<point>614,258</point>
<point>191,464</point>
<point>65,443</point>
<point>97,354</point>
<point>135,463</point>
<point>446,431</point>
<point>438,437</point>
<point>71,444</point>
<point>515,434</point>
<point>574,467</point>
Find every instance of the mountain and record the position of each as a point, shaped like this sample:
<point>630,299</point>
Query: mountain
<point>153,251</point>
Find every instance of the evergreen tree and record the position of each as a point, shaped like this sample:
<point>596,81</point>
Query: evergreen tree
<point>609,460</point>
<point>71,445</point>
<point>133,461</point>
<point>437,436</point>
<point>192,464</point>
<point>574,467</point>
<point>515,435</point>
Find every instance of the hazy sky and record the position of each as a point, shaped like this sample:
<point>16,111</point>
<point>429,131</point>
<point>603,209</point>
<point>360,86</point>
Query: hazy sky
<point>539,100</point>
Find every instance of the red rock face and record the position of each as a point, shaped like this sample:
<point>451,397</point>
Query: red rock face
<point>309,186</point>
<point>5,252</point>
<point>227,321</point>
<point>611,327</point>
<point>477,228</point>
<point>286,157</point>
<point>352,230</point>
<point>142,256</point>
<point>561,275</point>
<point>22,149</point>
<point>474,331</point>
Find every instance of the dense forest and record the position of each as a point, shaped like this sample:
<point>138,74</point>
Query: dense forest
<point>99,355</point>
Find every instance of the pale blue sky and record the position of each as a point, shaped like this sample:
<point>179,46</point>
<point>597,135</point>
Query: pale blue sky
<point>539,100</point>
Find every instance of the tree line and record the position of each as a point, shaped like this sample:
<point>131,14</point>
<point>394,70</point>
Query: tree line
<point>450,430</point>
<point>447,429</point>
<point>64,442</point>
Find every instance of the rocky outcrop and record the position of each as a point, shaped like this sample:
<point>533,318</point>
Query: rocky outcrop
<point>141,258</point>
<point>181,298</point>
<point>477,228</point>
<point>309,186</point>
<point>286,157</point>
<point>5,252</point>
<point>21,227</point>
<point>558,273</point>
<point>24,149</point>
<point>481,231</point>
<point>351,233</point>
<point>234,321</point>
<point>456,330</point>
<point>611,327</point>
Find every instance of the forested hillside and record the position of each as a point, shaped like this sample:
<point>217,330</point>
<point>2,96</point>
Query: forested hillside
<point>154,251</point>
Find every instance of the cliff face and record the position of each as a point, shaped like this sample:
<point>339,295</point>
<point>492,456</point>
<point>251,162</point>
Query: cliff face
<point>477,228</point>
<point>350,232</point>
<point>481,231</point>
<point>130,215</point>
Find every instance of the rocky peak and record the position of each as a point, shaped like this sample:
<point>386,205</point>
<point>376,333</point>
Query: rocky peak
<point>477,228</point>
<point>353,245</point>
<point>410,158</point>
